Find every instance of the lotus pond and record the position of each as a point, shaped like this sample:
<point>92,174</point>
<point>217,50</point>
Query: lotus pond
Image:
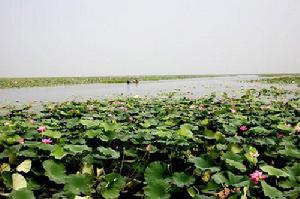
<point>157,148</point>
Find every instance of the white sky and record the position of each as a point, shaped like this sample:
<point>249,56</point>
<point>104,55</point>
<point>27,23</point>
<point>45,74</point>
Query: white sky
<point>139,37</point>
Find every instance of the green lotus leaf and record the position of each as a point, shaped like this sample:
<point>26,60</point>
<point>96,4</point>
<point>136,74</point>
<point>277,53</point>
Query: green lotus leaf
<point>77,184</point>
<point>228,178</point>
<point>237,180</point>
<point>209,134</point>
<point>185,131</point>
<point>157,190</point>
<point>235,148</point>
<point>232,156</point>
<point>204,122</point>
<point>182,179</point>
<point>29,153</point>
<point>148,123</point>
<point>4,167</point>
<point>89,123</point>
<point>259,130</point>
<point>25,166</point>
<point>236,165</point>
<point>293,193</point>
<point>289,183</point>
<point>272,171</point>
<point>77,148</point>
<point>204,164</point>
<point>290,152</point>
<point>163,134</point>
<point>293,171</point>
<point>18,181</point>
<point>58,152</point>
<point>93,133</point>
<point>112,186</point>
<point>251,155</point>
<point>192,191</point>
<point>285,128</point>
<point>55,171</point>
<point>270,191</point>
<point>211,187</point>
<point>109,152</point>
<point>155,171</point>
<point>87,168</point>
<point>219,178</point>
<point>111,126</point>
<point>52,134</point>
<point>21,194</point>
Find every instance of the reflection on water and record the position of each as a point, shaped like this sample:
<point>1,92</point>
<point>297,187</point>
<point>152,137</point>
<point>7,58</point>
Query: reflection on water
<point>192,87</point>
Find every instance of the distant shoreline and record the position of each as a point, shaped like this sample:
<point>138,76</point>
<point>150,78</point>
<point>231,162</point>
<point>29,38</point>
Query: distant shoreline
<point>23,82</point>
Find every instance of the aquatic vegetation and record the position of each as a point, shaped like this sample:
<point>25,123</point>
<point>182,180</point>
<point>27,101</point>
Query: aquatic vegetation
<point>167,147</point>
<point>284,79</point>
<point>60,81</point>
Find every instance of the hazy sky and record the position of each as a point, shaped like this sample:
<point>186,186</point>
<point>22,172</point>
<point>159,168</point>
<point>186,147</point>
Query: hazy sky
<point>137,37</point>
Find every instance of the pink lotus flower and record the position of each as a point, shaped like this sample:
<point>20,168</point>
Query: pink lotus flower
<point>243,128</point>
<point>32,121</point>
<point>21,140</point>
<point>148,147</point>
<point>256,176</point>
<point>47,140</point>
<point>41,129</point>
<point>233,110</point>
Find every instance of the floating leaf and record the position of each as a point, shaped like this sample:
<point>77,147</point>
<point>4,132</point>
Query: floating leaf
<point>209,134</point>
<point>182,179</point>
<point>78,183</point>
<point>77,148</point>
<point>25,166</point>
<point>270,191</point>
<point>252,155</point>
<point>58,152</point>
<point>235,148</point>
<point>22,194</point>
<point>272,171</point>
<point>52,134</point>
<point>185,133</point>
<point>87,169</point>
<point>55,171</point>
<point>112,185</point>
<point>89,123</point>
<point>19,181</point>
<point>285,128</point>
<point>4,167</point>
<point>259,130</point>
<point>93,133</point>
<point>157,190</point>
<point>219,178</point>
<point>203,164</point>
<point>109,152</point>
<point>236,165</point>
<point>155,171</point>
<point>290,152</point>
<point>111,126</point>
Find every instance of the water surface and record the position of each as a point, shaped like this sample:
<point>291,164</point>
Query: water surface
<point>193,87</point>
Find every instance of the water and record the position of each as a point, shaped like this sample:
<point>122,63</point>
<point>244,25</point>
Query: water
<point>192,87</point>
